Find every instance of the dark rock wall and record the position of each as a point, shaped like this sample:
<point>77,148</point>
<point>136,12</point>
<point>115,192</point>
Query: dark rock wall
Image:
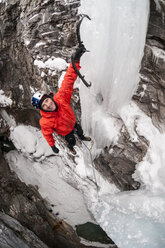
<point>117,163</point>
<point>13,234</point>
<point>150,95</point>
<point>23,24</point>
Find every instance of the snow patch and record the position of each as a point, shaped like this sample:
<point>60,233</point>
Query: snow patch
<point>56,64</point>
<point>23,139</point>
<point>61,79</point>
<point>30,142</point>
<point>4,100</point>
<point>20,87</point>
<point>32,90</point>
<point>27,42</point>
<point>40,43</point>
<point>43,74</point>
<point>8,118</point>
<point>33,17</point>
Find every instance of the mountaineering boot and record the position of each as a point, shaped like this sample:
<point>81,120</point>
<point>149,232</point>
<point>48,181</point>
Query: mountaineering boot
<point>72,150</point>
<point>86,138</point>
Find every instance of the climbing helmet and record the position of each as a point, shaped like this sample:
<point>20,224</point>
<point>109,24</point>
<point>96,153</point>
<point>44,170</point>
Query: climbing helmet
<point>36,98</point>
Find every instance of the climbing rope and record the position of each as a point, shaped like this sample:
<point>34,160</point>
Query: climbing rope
<point>93,165</point>
<point>90,153</point>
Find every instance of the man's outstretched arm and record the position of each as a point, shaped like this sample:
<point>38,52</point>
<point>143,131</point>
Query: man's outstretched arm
<point>66,88</point>
<point>70,77</point>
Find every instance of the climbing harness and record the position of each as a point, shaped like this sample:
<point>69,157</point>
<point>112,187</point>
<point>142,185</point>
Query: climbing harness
<point>80,43</point>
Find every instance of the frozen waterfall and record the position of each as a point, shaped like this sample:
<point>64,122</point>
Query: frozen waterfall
<point>115,37</point>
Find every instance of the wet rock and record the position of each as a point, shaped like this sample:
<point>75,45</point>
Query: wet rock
<point>151,90</point>
<point>6,144</point>
<point>118,163</point>
<point>93,232</point>
<point>25,116</point>
<point>13,234</point>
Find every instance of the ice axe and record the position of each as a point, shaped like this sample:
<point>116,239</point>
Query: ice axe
<point>80,42</point>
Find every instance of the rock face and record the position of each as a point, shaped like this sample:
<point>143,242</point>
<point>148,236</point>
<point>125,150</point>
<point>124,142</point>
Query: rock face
<point>117,163</point>
<point>10,228</point>
<point>93,232</point>
<point>24,204</point>
<point>151,91</point>
<point>33,30</point>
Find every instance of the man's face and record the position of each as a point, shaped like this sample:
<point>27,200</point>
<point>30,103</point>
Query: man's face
<point>48,105</point>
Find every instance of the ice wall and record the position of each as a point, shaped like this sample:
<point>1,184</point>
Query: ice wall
<point>116,38</point>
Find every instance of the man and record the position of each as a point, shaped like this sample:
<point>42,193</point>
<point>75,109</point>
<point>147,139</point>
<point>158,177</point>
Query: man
<point>56,112</point>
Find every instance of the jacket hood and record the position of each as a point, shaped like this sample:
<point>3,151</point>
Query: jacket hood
<point>48,114</point>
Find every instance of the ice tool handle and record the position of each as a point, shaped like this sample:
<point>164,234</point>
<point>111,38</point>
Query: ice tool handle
<point>80,42</point>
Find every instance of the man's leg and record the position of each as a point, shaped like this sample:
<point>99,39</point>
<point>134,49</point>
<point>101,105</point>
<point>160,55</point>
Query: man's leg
<point>70,140</point>
<point>79,131</point>
<point>80,134</point>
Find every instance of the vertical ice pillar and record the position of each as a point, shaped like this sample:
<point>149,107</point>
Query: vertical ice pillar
<point>115,37</point>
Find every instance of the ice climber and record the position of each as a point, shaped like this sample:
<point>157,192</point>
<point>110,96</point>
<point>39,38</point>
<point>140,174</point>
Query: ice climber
<point>56,113</point>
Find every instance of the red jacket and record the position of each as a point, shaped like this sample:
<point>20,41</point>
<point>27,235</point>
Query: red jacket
<point>63,120</point>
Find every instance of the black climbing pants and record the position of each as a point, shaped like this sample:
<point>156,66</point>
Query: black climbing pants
<point>70,138</point>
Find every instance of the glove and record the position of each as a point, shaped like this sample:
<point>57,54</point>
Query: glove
<point>55,149</point>
<point>79,52</point>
